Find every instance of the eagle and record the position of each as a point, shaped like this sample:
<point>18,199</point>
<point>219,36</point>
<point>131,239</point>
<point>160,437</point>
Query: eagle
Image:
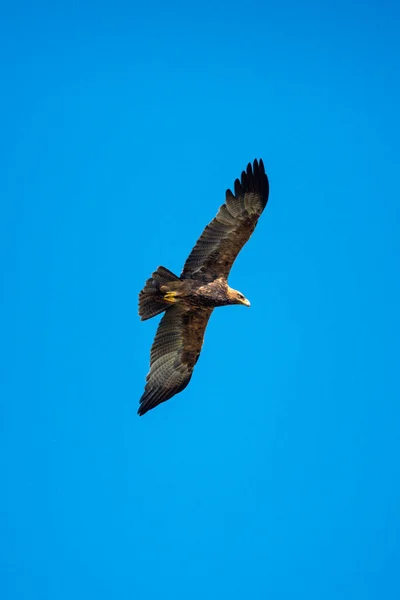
<point>189,300</point>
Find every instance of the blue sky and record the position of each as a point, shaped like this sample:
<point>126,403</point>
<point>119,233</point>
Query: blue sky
<point>275,474</point>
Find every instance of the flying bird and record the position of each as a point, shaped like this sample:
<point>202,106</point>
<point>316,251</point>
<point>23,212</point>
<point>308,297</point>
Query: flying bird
<point>189,300</point>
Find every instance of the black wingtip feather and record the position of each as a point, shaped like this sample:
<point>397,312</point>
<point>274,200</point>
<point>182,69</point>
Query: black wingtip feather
<point>256,169</point>
<point>149,400</point>
<point>237,187</point>
<point>254,179</point>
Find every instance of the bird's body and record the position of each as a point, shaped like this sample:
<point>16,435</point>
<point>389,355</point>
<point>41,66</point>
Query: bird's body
<point>189,300</point>
<point>194,293</point>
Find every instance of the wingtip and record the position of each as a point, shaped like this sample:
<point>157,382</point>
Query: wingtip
<point>237,187</point>
<point>144,405</point>
<point>254,179</point>
<point>258,167</point>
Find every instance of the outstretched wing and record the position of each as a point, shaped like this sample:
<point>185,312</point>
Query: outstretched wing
<point>223,238</point>
<point>175,350</point>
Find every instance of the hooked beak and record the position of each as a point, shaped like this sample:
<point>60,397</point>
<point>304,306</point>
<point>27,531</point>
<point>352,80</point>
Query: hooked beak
<point>245,302</point>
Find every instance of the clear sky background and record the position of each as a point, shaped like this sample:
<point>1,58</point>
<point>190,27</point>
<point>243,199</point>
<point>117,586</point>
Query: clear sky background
<point>276,473</point>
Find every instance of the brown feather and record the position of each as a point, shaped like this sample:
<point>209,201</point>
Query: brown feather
<point>174,353</point>
<point>224,237</point>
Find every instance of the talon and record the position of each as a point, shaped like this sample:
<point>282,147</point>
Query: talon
<point>170,297</point>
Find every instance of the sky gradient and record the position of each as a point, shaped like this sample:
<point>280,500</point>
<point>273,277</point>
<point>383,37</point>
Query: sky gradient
<point>276,473</point>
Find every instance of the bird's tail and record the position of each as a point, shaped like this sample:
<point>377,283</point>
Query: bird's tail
<point>151,300</point>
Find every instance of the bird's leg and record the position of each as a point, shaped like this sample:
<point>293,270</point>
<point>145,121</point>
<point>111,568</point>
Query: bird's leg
<point>172,292</point>
<point>170,297</point>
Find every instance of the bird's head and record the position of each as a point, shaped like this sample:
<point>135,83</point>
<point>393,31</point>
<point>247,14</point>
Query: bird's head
<point>236,297</point>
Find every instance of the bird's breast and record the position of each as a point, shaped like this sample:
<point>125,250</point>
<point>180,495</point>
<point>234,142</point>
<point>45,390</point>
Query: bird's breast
<point>211,294</point>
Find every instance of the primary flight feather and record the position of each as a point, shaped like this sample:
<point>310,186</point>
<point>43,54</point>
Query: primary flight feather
<point>189,300</point>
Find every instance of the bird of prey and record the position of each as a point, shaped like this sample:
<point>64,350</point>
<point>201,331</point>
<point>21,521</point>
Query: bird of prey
<point>189,300</point>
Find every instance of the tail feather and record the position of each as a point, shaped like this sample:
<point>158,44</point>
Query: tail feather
<point>151,301</point>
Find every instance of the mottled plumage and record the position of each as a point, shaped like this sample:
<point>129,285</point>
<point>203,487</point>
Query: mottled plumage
<point>189,300</point>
